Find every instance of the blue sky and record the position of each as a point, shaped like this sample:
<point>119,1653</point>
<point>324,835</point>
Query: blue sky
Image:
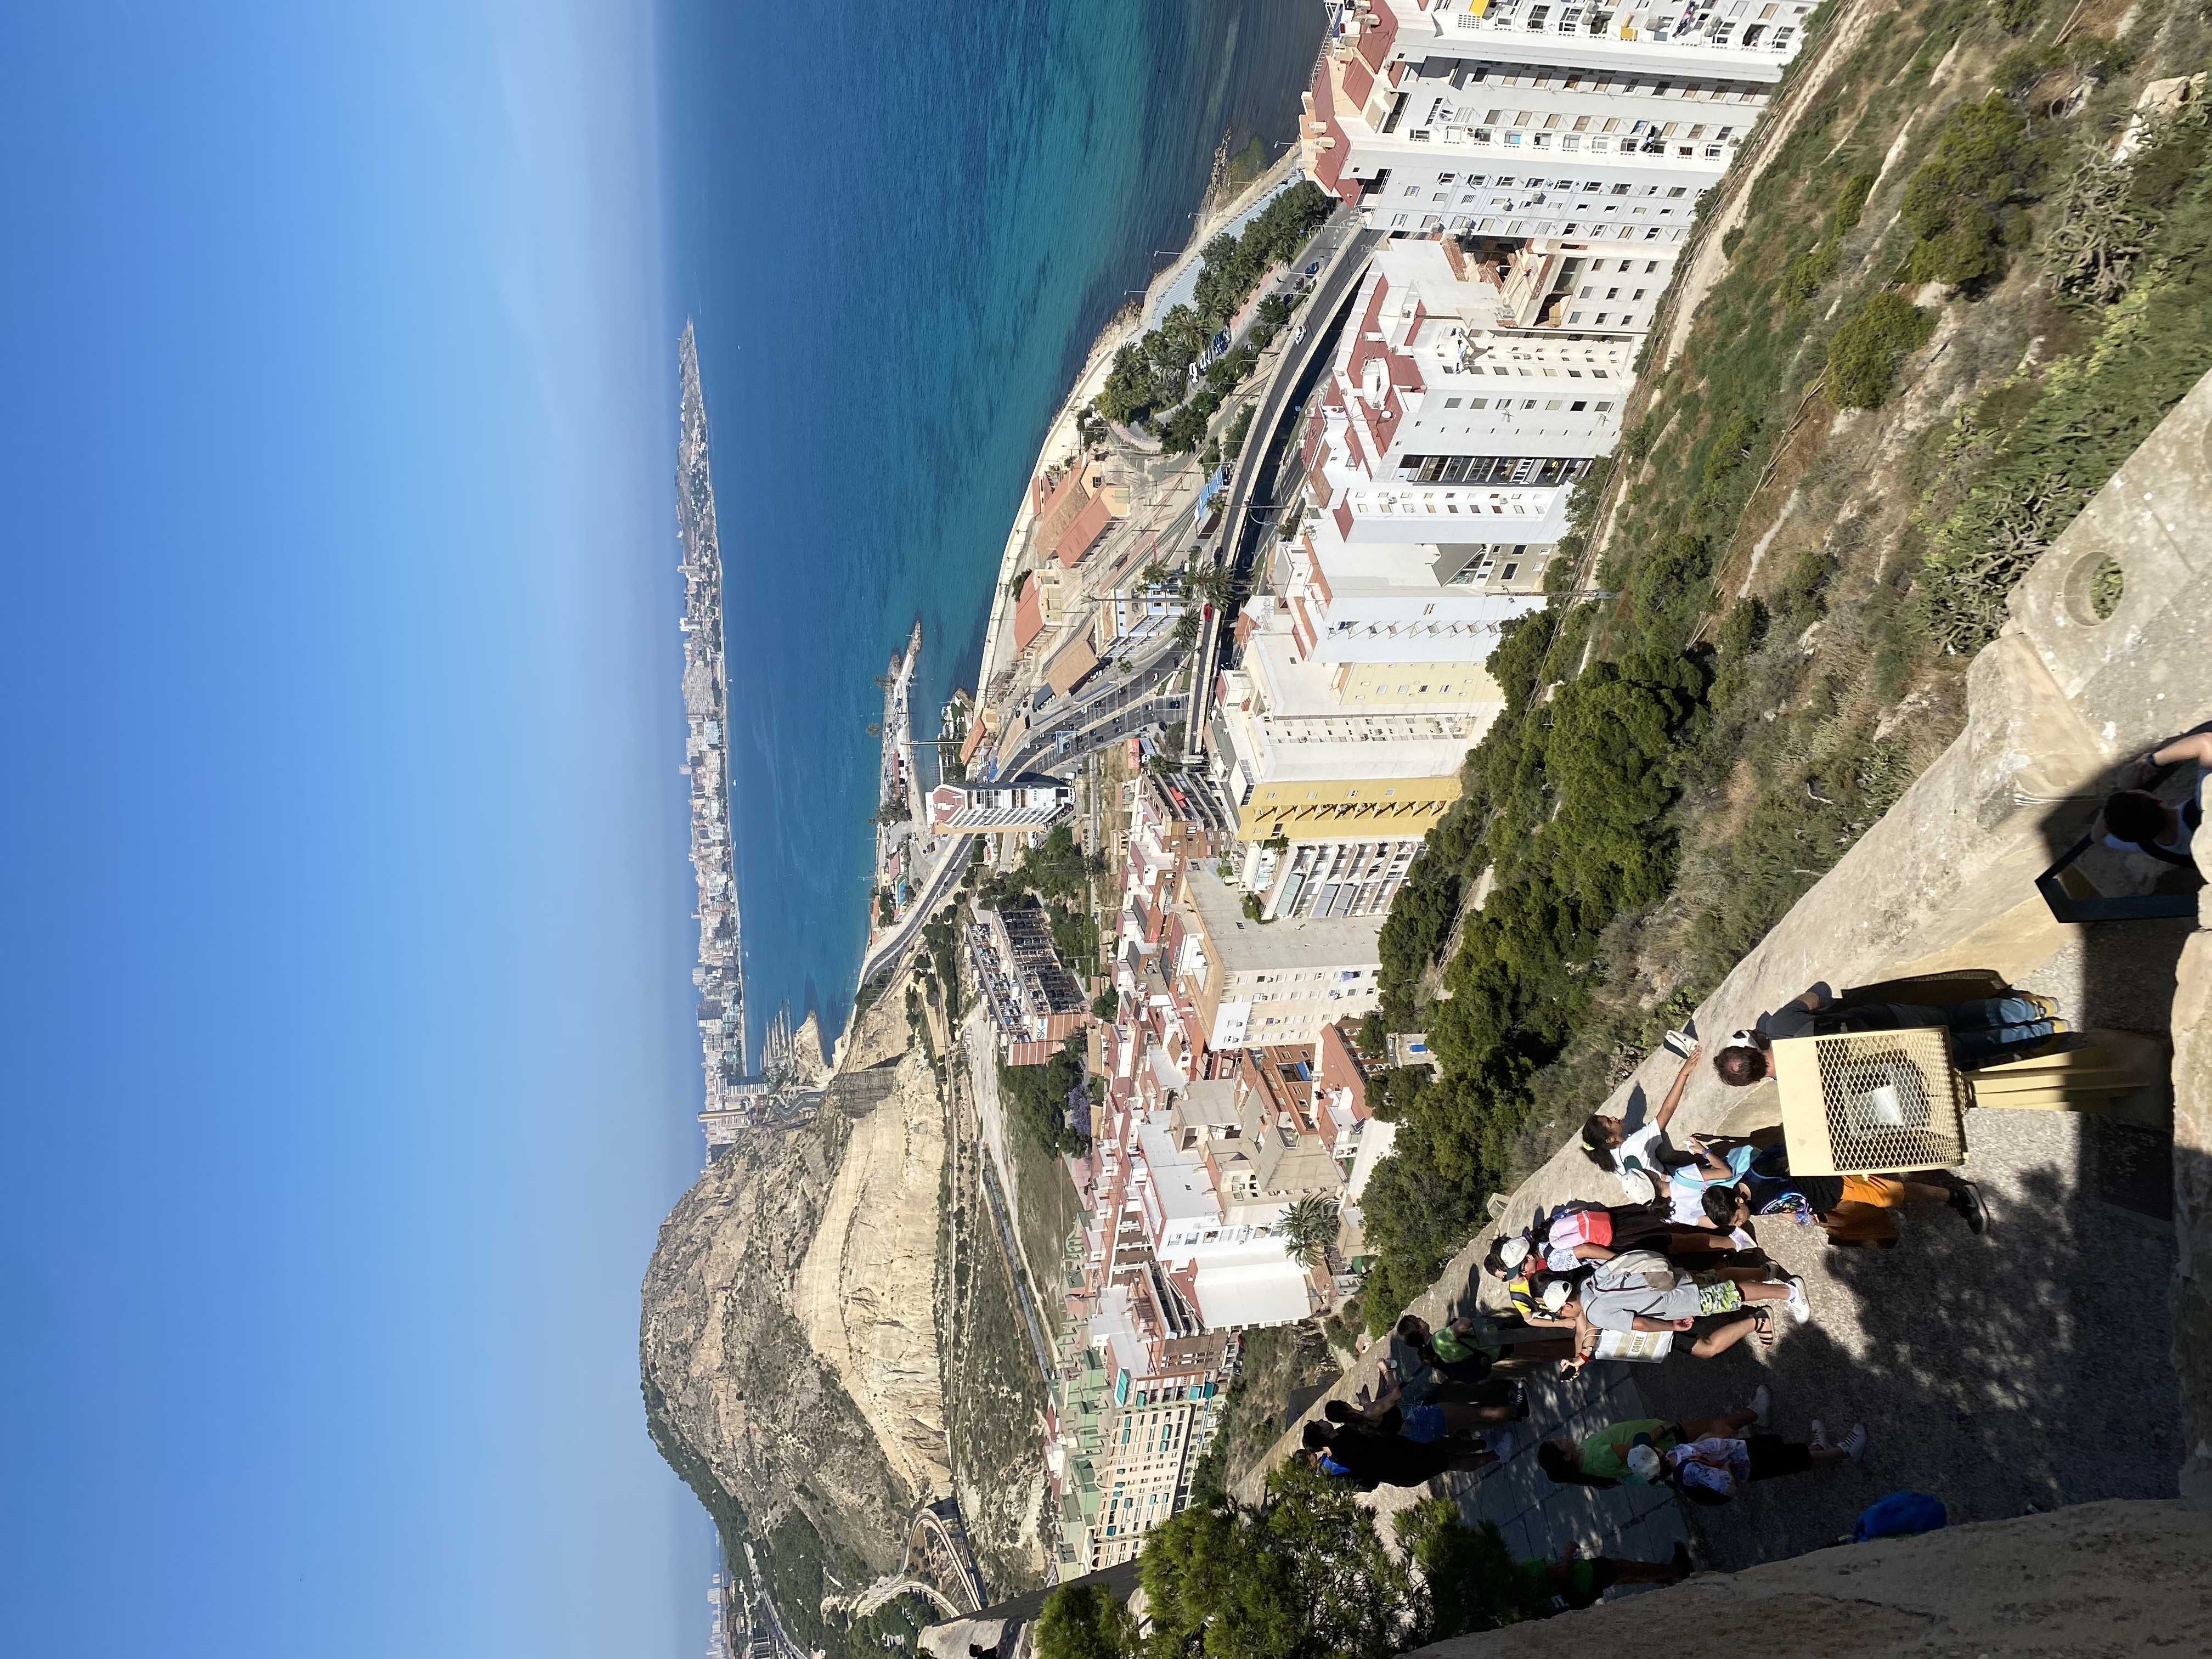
<point>346,1070</point>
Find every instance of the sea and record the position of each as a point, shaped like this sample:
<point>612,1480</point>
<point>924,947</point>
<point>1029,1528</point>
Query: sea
<point>898,228</point>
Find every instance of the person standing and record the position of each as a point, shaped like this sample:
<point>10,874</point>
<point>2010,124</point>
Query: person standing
<point>1715,1469</point>
<point>1600,1457</point>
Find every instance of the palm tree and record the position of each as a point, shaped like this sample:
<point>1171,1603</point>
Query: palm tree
<point>1308,1229</point>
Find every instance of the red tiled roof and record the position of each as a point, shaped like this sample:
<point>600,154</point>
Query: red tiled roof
<point>1083,533</point>
<point>1029,615</point>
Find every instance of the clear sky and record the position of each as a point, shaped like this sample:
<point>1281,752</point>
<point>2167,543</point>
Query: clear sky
<point>343,1058</point>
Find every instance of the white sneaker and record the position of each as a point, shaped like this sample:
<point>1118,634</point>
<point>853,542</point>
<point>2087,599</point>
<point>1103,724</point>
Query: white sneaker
<point>1820,1434</point>
<point>1501,1444</point>
<point>1761,1398</point>
<point>1855,1442</point>
<point>1800,1307</point>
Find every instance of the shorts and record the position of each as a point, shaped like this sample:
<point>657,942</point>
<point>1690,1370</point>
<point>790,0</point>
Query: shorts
<point>1882,1192</point>
<point>1772,1457</point>
<point>1423,1423</point>
<point>1717,1295</point>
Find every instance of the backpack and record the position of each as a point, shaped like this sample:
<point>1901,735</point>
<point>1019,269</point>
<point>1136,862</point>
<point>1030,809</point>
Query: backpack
<point>1631,1267</point>
<point>1573,1227</point>
<point>1900,1515</point>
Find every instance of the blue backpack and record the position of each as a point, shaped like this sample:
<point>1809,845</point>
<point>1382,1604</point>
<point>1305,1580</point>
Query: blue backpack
<point>1900,1515</point>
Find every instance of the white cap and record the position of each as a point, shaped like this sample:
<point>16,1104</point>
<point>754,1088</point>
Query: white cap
<point>1513,1251</point>
<point>1643,1463</point>
<point>1556,1294</point>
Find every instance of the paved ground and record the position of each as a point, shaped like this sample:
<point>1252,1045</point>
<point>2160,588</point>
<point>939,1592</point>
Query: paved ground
<point>1538,1518</point>
<point>2008,1373</point>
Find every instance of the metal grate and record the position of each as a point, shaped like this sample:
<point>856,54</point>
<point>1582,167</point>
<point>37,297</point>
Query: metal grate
<point>1860,1102</point>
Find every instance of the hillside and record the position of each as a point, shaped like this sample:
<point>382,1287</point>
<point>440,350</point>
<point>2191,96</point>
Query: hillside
<point>1917,332</point>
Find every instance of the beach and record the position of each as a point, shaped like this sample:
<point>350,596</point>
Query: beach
<point>1126,325</point>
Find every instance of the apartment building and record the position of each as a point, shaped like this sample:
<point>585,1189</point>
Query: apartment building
<point>1130,1418</point>
<point>1028,802</point>
<point>1418,104</point>
<point>1470,393</point>
<point>1253,983</point>
<point>1306,756</point>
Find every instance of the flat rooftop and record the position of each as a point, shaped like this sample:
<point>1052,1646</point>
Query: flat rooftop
<point>1300,942</point>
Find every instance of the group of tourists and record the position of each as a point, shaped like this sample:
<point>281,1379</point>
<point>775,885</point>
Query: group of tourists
<point>1681,1258</point>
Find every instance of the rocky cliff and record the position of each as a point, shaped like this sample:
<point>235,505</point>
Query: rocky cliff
<point>738,1398</point>
<point>865,1291</point>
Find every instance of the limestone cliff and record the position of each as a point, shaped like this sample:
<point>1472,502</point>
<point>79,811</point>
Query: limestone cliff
<point>864,1292</point>
<point>736,1398</point>
<point>787,1348</point>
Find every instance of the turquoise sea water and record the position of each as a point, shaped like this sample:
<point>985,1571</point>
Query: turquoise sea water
<point>899,228</point>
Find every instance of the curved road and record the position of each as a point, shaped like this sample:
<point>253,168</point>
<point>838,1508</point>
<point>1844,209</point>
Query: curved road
<point>1338,283</point>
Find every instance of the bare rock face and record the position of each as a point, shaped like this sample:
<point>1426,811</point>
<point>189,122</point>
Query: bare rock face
<point>736,1397</point>
<point>865,1289</point>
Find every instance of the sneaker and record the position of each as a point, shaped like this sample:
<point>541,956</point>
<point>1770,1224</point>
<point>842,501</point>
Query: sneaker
<point>1683,1568</point>
<point>1820,1434</point>
<point>1966,1200</point>
<point>1855,1442</point>
<point>1801,1306</point>
<point>1762,1397</point>
<point>1500,1444</point>
<point>2043,1005</point>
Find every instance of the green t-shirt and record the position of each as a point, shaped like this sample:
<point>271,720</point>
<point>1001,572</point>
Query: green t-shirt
<point>1605,1453</point>
<point>1448,1346</point>
<point>1580,1589</point>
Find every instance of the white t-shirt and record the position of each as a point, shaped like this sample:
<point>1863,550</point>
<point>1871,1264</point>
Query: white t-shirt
<point>2184,832</point>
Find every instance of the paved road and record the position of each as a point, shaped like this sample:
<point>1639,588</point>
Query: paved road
<point>939,883</point>
<point>1347,250</point>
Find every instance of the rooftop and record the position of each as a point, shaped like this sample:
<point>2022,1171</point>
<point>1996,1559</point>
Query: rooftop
<point>1240,945</point>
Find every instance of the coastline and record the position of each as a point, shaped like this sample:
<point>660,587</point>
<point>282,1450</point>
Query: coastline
<point>1126,324</point>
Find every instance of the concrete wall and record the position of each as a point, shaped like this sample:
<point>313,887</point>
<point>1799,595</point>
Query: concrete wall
<point>2106,1579</point>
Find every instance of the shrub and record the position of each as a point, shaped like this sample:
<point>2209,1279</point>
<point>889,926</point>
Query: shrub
<point>1863,356</point>
<point>1232,443</point>
<point>1963,204</point>
<point>2014,16</point>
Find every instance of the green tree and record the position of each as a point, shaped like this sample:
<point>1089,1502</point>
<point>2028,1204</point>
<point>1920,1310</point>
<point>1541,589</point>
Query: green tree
<point>1308,1229</point>
<point>1863,356</point>
<point>1470,1579</point>
<point>1303,1576</point>
<point>1963,204</point>
<point>1087,1621</point>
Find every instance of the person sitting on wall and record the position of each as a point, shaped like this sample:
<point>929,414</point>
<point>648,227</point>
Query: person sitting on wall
<point>1851,1209</point>
<point>1642,1291</point>
<point>2135,820</point>
<point>1576,1581</point>
<point>1389,1414</point>
<point>1450,1350</point>
<point>1983,1029</point>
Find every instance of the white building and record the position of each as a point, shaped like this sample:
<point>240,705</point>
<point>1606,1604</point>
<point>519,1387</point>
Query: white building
<point>988,809</point>
<point>1469,395</point>
<point>1462,115</point>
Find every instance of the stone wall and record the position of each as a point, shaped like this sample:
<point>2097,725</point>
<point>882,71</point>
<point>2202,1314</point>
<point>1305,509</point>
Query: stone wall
<point>2097,1581</point>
